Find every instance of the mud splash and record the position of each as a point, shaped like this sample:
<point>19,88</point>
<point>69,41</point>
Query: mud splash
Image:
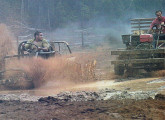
<point>6,44</point>
<point>6,41</point>
<point>63,71</point>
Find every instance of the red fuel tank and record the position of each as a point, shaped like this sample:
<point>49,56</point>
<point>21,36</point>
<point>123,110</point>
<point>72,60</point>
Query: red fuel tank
<point>146,38</point>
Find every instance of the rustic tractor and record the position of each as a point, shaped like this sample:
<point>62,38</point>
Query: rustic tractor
<point>140,52</point>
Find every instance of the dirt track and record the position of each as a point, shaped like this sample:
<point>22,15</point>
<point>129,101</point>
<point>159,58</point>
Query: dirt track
<point>91,110</point>
<point>108,99</point>
<point>86,105</point>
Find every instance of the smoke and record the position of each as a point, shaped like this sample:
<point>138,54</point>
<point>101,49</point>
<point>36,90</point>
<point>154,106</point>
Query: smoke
<point>96,32</point>
<point>100,30</point>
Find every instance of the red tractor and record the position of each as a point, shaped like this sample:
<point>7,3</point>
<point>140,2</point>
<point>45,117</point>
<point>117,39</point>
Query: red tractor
<point>140,52</point>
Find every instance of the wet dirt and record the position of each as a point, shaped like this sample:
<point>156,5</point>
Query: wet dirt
<point>88,104</point>
<point>84,110</point>
<point>103,99</point>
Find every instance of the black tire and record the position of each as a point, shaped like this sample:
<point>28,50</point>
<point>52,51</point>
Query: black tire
<point>119,70</point>
<point>148,69</point>
<point>145,46</point>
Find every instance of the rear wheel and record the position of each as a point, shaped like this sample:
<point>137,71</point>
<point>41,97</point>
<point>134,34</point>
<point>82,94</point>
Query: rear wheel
<point>145,46</point>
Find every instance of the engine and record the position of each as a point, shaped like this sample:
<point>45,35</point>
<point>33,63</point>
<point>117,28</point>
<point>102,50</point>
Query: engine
<point>146,38</point>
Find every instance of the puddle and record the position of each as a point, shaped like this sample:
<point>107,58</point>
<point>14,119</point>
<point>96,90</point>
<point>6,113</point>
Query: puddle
<point>161,80</point>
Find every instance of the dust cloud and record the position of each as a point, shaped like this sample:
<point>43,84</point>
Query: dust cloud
<point>6,44</point>
<point>6,41</point>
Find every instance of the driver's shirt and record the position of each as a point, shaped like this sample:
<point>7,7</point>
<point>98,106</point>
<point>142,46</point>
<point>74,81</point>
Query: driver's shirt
<point>158,22</point>
<point>39,43</point>
<point>43,43</point>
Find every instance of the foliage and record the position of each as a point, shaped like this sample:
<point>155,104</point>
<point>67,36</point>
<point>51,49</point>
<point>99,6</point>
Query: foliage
<point>52,14</point>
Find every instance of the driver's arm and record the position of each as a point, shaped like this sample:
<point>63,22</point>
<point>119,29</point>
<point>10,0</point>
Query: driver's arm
<point>149,31</point>
<point>151,27</point>
<point>44,49</point>
<point>27,46</point>
<point>45,45</point>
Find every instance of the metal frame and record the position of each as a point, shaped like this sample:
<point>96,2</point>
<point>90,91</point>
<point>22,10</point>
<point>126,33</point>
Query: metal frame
<point>40,53</point>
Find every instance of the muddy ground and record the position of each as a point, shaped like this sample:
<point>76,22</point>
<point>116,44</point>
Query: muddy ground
<point>84,110</point>
<point>106,98</point>
<point>123,102</point>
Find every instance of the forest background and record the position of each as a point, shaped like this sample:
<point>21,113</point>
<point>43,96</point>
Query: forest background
<point>52,15</point>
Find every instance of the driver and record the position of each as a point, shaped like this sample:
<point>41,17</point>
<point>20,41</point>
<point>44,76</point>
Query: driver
<point>159,23</point>
<point>38,41</point>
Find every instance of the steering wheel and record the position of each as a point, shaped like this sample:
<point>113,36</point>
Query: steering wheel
<point>22,49</point>
<point>157,29</point>
<point>33,48</point>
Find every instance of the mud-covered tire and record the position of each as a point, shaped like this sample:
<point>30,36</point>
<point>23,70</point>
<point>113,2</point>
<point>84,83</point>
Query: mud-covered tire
<point>148,69</point>
<point>145,46</point>
<point>119,70</point>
